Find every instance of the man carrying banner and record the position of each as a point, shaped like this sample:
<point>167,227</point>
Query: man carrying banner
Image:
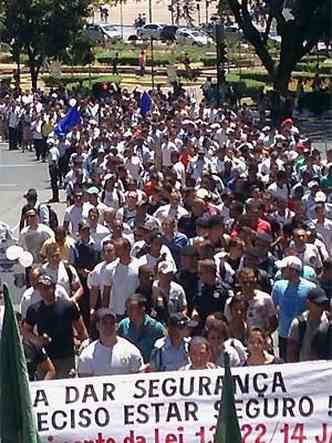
<point>111,354</point>
<point>308,330</point>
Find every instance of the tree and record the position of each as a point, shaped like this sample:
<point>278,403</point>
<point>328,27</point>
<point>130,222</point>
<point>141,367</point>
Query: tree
<point>42,28</point>
<point>301,24</point>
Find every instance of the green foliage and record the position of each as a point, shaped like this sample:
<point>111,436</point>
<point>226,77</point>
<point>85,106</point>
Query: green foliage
<point>76,80</point>
<point>79,53</point>
<point>42,28</point>
<point>311,21</point>
<point>132,60</point>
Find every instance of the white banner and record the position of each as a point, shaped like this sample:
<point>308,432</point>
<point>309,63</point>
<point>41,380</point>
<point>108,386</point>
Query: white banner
<point>275,404</point>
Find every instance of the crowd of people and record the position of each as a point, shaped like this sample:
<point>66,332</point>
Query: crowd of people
<point>190,231</point>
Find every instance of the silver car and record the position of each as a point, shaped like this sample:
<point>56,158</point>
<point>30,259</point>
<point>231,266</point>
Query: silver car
<point>150,31</point>
<point>102,33</point>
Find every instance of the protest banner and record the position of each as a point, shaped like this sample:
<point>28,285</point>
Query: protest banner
<point>275,404</point>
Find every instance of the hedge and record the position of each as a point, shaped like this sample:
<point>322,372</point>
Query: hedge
<point>133,60</point>
<point>76,79</point>
<point>263,76</point>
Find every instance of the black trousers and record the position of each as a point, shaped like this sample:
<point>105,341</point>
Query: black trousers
<point>44,148</point>
<point>283,348</point>
<point>54,178</point>
<point>38,145</point>
<point>12,134</point>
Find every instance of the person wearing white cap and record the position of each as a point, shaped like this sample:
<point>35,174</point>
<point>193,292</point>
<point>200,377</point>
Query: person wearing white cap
<point>289,296</point>
<point>168,297</point>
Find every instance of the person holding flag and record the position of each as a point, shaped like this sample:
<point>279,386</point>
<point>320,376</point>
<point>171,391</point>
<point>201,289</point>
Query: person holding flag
<point>17,422</point>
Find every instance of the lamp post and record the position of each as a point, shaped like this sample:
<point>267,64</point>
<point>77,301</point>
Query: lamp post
<point>150,11</point>
<point>198,13</point>
<point>151,46</point>
<point>207,4</point>
<point>220,37</point>
<point>121,18</point>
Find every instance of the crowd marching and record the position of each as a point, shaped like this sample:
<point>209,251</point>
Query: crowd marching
<point>190,231</point>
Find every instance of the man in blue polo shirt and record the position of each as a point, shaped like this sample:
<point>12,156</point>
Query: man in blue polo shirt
<point>289,296</point>
<point>139,328</point>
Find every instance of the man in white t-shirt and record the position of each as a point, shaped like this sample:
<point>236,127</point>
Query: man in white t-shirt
<point>33,236</point>
<point>96,277</point>
<point>120,279</point>
<point>74,214</point>
<point>111,354</point>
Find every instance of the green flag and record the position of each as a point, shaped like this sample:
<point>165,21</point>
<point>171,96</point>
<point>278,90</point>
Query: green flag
<point>228,428</point>
<point>17,421</point>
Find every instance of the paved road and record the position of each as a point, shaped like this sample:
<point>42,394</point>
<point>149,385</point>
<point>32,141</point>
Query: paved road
<point>19,172</point>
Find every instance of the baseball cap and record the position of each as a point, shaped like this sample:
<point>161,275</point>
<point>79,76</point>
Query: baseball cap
<point>31,194</point>
<point>317,296</point>
<point>166,267</point>
<point>105,312</point>
<point>313,183</point>
<point>45,280</point>
<point>179,320</point>
<point>288,121</point>
<point>92,190</point>
<point>290,262</point>
<point>320,197</point>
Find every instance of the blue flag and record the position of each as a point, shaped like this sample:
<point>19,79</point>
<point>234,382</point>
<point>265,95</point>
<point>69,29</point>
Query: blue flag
<point>68,122</point>
<point>145,103</point>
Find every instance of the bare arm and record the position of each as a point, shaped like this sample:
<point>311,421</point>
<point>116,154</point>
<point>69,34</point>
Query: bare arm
<point>106,298</point>
<point>80,329</point>
<point>93,298</point>
<point>273,324</point>
<point>77,291</point>
<point>37,340</point>
<point>47,368</point>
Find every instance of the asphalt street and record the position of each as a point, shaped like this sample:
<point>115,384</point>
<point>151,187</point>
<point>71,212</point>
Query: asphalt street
<point>19,172</point>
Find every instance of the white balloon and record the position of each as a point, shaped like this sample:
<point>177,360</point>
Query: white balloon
<point>26,259</point>
<point>14,252</point>
<point>72,102</point>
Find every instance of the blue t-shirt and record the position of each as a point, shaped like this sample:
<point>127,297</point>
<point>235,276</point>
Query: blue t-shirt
<point>291,300</point>
<point>143,338</point>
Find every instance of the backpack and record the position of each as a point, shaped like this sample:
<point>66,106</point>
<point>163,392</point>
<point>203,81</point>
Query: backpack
<point>53,221</point>
<point>53,218</point>
<point>321,341</point>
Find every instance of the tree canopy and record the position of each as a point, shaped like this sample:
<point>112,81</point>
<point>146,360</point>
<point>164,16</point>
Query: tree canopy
<point>301,24</point>
<point>42,28</point>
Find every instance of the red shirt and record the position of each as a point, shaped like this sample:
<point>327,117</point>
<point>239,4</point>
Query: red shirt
<point>261,226</point>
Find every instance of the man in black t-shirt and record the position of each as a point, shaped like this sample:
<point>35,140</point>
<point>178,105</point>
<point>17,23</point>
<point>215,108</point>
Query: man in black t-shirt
<point>212,292</point>
<point>55,320</point>
<point>36,358</point>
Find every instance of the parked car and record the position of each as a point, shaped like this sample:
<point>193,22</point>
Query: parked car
<point>193,37</point>
<point>102,33</point>
<point>168,32</point>
<point>152,30</point>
